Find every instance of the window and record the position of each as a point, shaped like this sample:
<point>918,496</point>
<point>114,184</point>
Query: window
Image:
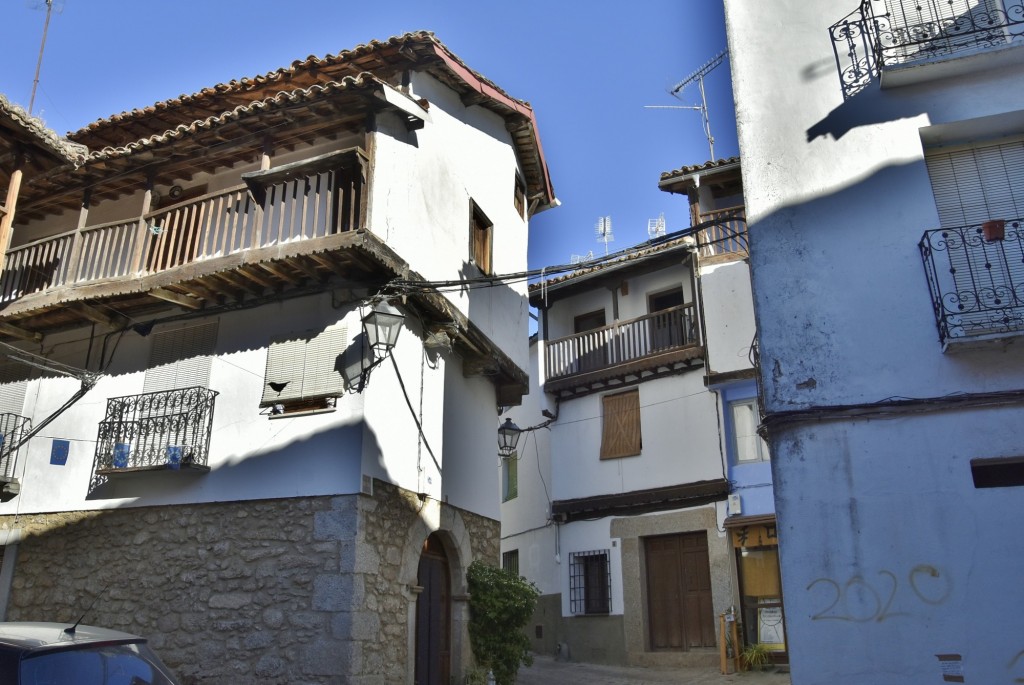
<point>510,561</point>
<point>519,196</point>
<point>588,321</point>
<point>480,238</point>
<point>304,369</point>
<point>509,478</point>
<point>973,185</point>
<point>590,588</point>
<point>747,445</point>
<point>180,358</point>
<point>620,425</point>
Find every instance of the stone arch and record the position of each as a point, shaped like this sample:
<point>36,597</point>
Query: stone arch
<point>451,530</point>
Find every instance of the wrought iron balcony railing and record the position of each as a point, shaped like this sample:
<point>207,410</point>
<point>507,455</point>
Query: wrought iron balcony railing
<point>881,33</point>
<point>976,283</point>
<point>309,203</point>
<point>169,429</point>
<point>12,429</point>
<point>621,342</point>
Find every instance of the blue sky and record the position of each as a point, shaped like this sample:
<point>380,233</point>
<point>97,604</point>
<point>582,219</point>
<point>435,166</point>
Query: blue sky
<point>588,69</point>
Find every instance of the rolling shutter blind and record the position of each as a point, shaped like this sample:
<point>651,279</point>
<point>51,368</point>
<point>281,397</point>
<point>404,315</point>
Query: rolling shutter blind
<point>12,388</point>
<point>306,367</point>
<point>180,358</point>
<point>620,425</point>
<point>974,185</point>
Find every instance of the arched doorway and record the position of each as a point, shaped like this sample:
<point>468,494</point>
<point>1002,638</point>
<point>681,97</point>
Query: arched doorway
<point>433,615</point>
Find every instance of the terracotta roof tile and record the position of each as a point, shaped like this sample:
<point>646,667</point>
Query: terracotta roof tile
<point>34,128</point>
<point>693,168</point>
<point>627,256</point>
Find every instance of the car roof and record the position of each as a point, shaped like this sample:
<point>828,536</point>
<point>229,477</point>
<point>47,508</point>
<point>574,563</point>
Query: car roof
<point>45,636</point>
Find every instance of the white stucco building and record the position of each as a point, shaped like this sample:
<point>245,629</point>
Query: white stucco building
<point>882,151</point>
<point>243,478</point>
<point>620,510</point>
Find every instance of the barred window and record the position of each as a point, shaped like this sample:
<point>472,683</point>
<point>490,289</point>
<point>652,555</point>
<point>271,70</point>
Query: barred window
<point>510,561</point>
<point>590,582</point>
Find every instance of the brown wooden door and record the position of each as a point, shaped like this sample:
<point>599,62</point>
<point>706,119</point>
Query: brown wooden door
<point>433,616</point>
<point>680,613</point>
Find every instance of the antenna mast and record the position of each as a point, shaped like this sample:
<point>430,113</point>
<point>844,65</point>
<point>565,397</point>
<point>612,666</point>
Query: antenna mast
<point>39,62</point>
<point>603,231</point>
<point>698,76</point>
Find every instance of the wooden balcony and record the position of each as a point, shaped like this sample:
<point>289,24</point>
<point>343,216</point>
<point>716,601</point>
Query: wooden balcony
<point>727,240</point>
<point>653,344</point>
<point>283,228</point>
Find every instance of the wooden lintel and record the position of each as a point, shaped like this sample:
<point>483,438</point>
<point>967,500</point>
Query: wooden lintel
<point>176,298</point>
<point>87,311</point>
<point>20,333</point>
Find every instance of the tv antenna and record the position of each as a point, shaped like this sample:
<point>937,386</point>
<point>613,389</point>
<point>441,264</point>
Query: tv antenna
<point>656,227</point>
<point>697,76</point>
<point>603,231</point>
<point>50,6</point>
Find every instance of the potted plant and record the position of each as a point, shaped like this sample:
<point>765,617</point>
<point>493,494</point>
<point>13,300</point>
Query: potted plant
<point>994,229</point>
<point>756,657</point>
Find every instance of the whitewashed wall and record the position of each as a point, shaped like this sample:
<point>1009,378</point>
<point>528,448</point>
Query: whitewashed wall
<point>461,154</point>
<point>728,316</point>
<point>889,555</point>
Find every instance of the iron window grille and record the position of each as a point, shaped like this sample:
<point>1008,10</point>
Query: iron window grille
<point>590,582</point>
<point>510,561</point>
<point>12,429</point>
<point>158,429</point>
<point>976,284</point>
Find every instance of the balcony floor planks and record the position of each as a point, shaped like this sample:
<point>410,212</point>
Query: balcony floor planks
<point>583,383</point>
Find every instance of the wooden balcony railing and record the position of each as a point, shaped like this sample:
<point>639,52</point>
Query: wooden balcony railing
<point>727,238</point>
<point>621,342</point>
<point>305,201</point>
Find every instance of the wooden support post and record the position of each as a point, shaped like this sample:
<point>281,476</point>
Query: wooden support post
<point>735,645</point>
<point>723,654</point>
<point>257,229</point>
<point>7,220</point>
<point>75,258</point>
<point>143,230</point>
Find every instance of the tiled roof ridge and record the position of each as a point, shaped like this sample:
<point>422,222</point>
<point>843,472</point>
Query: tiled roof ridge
<point>47,137</point>
<point>279,98</point>
<point>311,62</point>
<point>704,166</point>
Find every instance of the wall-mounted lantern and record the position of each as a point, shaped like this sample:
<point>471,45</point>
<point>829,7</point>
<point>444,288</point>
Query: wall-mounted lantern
<point>508,438</point>
<point>381,327</point>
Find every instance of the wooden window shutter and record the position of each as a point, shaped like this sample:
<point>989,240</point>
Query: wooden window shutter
<point>301,367</point>
<point>181,358</point>
<point>481,231</point>
<point>620,425</point>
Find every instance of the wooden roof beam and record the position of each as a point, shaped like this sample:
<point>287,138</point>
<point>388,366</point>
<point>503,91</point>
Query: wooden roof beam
<point>176,298</point>
<point>240,283</point>
<point>279,272</point>
<point>90,313</point>
<point>20,333</point>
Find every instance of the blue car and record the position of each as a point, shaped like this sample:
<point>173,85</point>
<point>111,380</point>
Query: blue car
<point>62,654</point>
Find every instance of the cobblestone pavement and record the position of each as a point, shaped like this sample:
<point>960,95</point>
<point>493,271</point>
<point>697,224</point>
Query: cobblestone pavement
<point>547,671</point>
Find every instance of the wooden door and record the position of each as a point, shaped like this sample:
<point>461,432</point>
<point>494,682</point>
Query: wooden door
<point>679,605</point>
<point>433,616</point>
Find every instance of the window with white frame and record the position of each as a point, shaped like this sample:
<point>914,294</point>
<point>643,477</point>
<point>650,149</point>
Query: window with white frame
<point>509,477</point>
<point>590,582</point>
<point>747,445</point>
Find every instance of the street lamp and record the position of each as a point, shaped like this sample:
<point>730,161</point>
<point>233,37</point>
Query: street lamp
<point>508,438</point>
<point>381,327</point>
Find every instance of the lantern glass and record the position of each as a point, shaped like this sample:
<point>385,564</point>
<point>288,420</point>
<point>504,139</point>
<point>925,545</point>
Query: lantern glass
<point>508,437</point>
<point>382,326</point>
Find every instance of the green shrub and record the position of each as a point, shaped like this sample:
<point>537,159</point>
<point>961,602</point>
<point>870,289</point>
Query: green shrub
<point>500,606</point>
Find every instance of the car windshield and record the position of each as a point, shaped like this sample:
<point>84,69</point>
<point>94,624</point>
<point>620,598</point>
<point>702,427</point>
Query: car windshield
<point>132,664</point>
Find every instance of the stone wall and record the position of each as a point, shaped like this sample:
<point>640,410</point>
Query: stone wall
<point>304,590</point>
